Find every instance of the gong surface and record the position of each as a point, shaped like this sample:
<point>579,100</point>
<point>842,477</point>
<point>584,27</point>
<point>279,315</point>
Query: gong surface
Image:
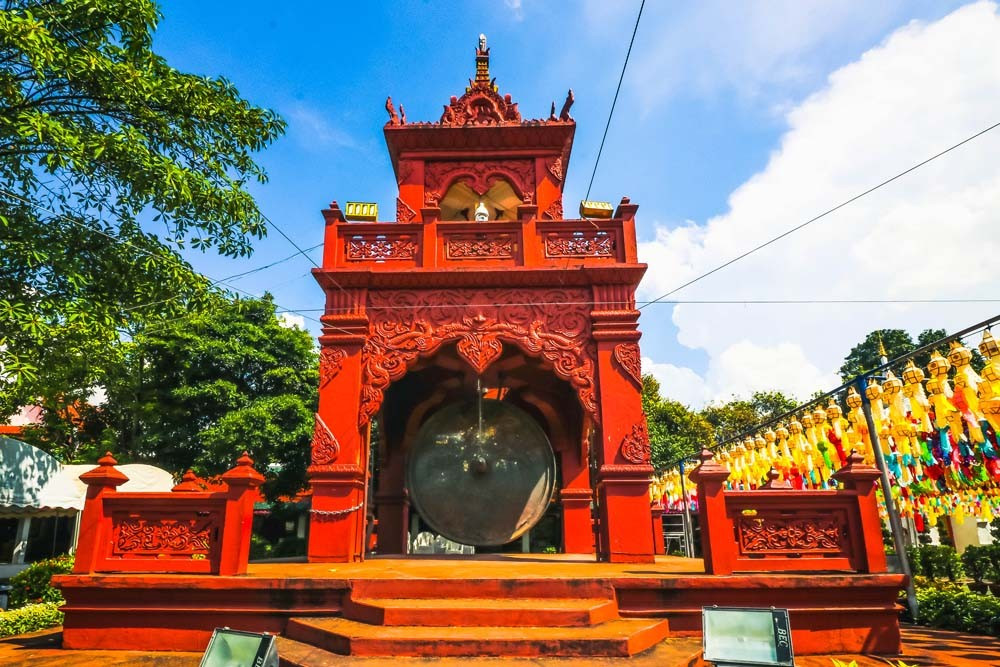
<point>481,482</point>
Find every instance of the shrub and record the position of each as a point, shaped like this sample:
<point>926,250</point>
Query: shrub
<point>959,610</point>
<point>30,618</point>
<point>935,562</point>
<point>979,562</point>
<point>33,584</point>
<point>259,547</point>
<point>289,546</point>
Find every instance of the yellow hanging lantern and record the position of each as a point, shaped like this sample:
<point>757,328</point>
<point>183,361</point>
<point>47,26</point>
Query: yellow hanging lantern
<point>913,389</point>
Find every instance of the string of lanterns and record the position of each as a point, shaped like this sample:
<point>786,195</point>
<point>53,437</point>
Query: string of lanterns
<point>938,436</point>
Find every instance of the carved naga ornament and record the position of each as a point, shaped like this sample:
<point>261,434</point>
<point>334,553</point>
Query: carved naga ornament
<point>406,325</point>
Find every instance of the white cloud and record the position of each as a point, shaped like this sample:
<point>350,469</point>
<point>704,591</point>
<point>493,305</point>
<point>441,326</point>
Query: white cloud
<point>706,47</point>
<point>292,321</point>
<point>313,130</point>
<point>932,234</point>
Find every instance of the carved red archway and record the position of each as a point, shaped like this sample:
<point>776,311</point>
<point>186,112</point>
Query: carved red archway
<point>560,291</point>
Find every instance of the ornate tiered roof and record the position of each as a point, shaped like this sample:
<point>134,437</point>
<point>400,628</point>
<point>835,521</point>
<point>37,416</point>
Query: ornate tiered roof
<point>482,104</point>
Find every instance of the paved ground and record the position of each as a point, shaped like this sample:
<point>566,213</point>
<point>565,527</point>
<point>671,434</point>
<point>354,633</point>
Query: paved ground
<point>922,646</point>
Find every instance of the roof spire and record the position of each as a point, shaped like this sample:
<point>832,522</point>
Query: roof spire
<point>482,61</point>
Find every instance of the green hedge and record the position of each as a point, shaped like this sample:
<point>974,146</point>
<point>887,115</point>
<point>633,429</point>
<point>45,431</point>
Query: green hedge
<point>30,618</point>
<point>960,609</point>
<point>982,563</point>
<point>935,562</point>
<point>33,584</point>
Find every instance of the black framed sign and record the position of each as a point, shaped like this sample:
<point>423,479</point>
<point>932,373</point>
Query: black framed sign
<point>746,636</point>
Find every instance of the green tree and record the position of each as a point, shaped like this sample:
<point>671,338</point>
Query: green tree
<point>865,356</point>
<point>110,162</point>
<point>739,415</point>
<point>675,431</point>
<point>197,391</point>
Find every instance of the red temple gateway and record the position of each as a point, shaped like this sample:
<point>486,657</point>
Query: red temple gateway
<point>481,283</point>
<point>480,369</point>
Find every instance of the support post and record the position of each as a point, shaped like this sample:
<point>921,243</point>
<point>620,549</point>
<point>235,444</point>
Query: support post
<point>242,481</point>
<point>718,547</point>
<point>94,522</point>
<point>890,505</point>
<point>686,525</point>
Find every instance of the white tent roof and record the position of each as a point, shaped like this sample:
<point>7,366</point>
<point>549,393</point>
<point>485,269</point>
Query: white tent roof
<point>31,480</point>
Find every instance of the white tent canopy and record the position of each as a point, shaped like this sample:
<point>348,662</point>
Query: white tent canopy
<point>33,481</point>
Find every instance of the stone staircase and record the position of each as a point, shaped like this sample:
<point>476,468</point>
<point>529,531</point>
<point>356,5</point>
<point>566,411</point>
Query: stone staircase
<point>449,618</point>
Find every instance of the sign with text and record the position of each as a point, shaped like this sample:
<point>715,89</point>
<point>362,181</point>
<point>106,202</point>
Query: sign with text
<point>746,636</point>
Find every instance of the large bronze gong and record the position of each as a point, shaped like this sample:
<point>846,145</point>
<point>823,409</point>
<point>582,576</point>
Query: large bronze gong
<point>481,472</point>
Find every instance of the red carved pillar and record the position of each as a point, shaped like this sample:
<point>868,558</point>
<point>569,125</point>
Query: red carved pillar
<point>95,524</point>
<point>718,546</point>
<point>656,514</point>
<point>625,470</point>
<point>242,481</point>
<point>339,470</point>
<point>392,505</point>
<point>860,478</point>
<point>576,497</point>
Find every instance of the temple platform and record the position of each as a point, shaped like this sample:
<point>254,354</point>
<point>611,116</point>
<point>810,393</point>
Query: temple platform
<point>500,605</point>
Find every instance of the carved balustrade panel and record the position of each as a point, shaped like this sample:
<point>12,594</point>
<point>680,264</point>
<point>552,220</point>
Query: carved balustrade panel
<point>499,245</point>
<point>550,324</point>
<point>370,247</point>
<point>587,244</point>
<point>789,532</point>
<point>163,535</point>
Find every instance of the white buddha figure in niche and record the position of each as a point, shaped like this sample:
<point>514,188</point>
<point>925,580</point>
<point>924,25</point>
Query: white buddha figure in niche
<point>482,213</point>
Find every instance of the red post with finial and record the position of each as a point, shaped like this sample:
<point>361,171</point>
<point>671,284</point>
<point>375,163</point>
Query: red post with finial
<point>95,524</point>
<point>656,514</point>
<point>859,478</point>
<point>242,481</point>
<point>717,544</point>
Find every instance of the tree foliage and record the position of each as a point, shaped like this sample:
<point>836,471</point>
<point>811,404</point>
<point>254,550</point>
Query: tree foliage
<point>675,431</point>
<point>101,143</point>
<point>865,356</point>
<point>739,415</point>
<point>197,391</point>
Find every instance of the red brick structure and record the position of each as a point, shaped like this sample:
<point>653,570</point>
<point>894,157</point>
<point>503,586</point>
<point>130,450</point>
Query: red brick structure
<point>419,309</point>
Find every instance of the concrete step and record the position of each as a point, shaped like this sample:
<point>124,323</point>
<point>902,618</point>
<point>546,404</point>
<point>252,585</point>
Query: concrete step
<point>482,588</point>
<point>618,638</point>
<point>672,652</point>
<point>520,612</point>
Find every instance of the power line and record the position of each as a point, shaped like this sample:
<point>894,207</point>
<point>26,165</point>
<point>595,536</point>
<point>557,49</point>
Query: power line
<point>615,100</point>
<point>824,214</point>
<point>705,302</point>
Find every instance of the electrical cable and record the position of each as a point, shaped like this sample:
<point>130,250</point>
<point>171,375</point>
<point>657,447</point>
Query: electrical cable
<point>825,213</point>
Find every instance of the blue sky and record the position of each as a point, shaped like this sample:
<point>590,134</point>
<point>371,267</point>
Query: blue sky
<point>716,97</point>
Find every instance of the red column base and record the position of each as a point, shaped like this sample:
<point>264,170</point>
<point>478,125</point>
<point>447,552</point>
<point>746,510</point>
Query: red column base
<point>623,496</point>
<point>578,526</point>
<point>337,516</point>
<point>393,517</point>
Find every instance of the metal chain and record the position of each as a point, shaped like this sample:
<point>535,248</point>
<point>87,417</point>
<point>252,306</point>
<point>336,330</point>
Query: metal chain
<point>334,513</point>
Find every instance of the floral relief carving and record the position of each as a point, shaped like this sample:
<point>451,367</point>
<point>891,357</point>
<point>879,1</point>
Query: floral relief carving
<point>556,168</point>
<point>555,210</point>
<point>628,357</point>
<point>406,325</point>
<point>580,244</point>
<point>479,246</point>
<point>795,533</point>
<point>331,360</point>
<point>635,445</point>
<point>162,536</point>
<point>403,211</point>
<point>325,448</point>
<point>381,247</point>
<point>479,175</point>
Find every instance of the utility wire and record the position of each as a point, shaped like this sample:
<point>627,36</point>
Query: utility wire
<point>824,213</point>
<point>615,100</point>
<point>738,302</point>
<point>975,328</point>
